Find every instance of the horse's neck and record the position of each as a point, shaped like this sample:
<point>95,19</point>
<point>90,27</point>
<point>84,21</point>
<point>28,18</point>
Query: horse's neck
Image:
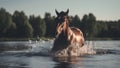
<point>66,29</point>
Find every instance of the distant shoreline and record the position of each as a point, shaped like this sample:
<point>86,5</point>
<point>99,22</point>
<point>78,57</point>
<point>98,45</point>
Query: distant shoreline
<point>48,38</point>
<point>25,39</point>
<point>102,38</point>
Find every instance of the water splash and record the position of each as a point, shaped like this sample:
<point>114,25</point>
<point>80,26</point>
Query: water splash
<point>75,50</point>
<point>43,48</point>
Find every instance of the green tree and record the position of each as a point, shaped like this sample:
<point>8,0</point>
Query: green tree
<point>5,22</point>
<point>11,32</point>
<point>50,24</point>
<point>102,28</point>
<point>38,25</point>
<point>75,21</point>
<point>90,25</point>
<point>24,28</point>
<point>85,26</point>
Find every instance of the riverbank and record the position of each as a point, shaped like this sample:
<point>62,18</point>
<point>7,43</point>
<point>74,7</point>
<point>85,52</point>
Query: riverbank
<point>26,39</point>
<point>106,38</point>
<point>48,38</point>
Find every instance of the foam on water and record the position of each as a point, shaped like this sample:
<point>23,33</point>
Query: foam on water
<point>76,51</point>
<point>43,48</point>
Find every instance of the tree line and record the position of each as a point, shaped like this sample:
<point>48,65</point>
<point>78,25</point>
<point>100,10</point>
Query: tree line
<point>19,25</point>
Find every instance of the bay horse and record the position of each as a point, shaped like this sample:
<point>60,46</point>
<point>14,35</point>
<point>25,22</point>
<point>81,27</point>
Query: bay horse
<point>66,35</point>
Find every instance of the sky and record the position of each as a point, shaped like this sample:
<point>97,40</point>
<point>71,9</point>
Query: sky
<point>102,9</point>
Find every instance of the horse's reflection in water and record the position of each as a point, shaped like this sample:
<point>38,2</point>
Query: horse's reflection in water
<point>68,62</point>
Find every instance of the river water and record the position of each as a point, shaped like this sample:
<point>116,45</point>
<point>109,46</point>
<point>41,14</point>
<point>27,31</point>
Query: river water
<point>35,54</point>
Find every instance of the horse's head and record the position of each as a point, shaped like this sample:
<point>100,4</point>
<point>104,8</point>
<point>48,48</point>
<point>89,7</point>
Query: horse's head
<point>60,19</point>
<point>61,16</point>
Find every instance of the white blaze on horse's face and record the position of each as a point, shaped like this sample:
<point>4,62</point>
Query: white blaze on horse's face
<point>59,28</point>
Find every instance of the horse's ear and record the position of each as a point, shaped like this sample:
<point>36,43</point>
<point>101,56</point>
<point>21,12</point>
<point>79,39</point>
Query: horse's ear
<point>67,12</point>
<point>56,12</point>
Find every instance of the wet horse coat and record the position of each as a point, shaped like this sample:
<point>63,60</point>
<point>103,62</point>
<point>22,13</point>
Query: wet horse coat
<point>68,40</point>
